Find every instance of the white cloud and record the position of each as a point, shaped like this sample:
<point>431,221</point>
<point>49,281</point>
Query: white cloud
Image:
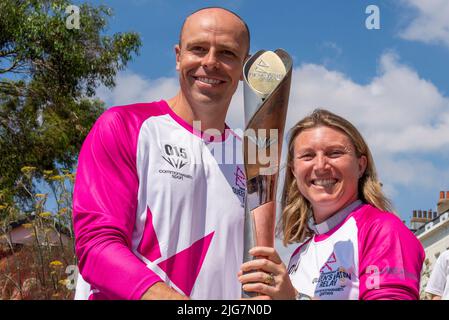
<point>330,52</point>
<point>133,88</point>
<point>397,91</point>
<point>431,25</point>
<point>332,46</point>
<point>236,115</point>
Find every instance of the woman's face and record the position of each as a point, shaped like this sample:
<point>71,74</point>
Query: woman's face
<point>327,170</point>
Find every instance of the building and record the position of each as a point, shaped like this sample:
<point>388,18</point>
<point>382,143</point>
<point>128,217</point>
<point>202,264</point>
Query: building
<point>26,253</point>
<point>22,233</point>
<point>432,228</point>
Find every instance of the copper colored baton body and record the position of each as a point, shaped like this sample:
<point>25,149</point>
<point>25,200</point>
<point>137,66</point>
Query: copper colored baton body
<point>265,114</point>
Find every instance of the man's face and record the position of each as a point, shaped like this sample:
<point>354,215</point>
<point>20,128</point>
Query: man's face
<point>210,57</point>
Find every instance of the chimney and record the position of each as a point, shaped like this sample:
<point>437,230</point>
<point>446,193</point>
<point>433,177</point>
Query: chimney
<point>424,214</point>
<point>414,213</point>
<point>430,216</point>
<point>435,214</point>
<point>443,203</point>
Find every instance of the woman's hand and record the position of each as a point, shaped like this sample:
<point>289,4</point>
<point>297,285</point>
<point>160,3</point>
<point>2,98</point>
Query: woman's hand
<point>266,275</point>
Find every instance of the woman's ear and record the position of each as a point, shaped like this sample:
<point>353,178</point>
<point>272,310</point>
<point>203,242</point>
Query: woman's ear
<point>292,169</point>
<point>363,162</point>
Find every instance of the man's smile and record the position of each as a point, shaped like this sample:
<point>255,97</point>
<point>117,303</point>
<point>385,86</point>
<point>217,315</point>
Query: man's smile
<point>208,80</point>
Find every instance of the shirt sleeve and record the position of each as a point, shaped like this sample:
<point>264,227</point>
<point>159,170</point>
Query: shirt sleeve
<point>437,280</point>
<point>104,210</point>
<point>390,260</point>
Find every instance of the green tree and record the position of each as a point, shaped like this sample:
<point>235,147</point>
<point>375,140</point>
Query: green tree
<point>48,77</point>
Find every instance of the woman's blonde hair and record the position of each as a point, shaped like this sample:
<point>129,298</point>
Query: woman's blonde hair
<point>296,209</point>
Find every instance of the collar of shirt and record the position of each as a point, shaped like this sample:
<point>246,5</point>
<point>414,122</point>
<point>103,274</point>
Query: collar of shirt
<point>333,220</point>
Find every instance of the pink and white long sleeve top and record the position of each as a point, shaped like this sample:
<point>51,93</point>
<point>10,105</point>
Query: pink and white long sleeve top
<point>362,253</point>
<point>156,200</point>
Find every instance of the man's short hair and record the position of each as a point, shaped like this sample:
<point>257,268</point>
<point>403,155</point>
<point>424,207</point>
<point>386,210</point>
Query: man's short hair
<point>232,12</point>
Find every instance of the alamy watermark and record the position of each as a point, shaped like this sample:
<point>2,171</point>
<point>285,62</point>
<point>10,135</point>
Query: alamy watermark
<point>373,280</point>
<point>72,276</point>
<point>372,22</point>
<point>260,146</point>
<point>73,20</point>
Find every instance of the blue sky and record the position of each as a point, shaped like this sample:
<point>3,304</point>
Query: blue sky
<point>392,83</point>
<point>307,29</point>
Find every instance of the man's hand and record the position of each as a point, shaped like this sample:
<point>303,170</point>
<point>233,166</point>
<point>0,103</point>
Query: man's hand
<point>160,291</point>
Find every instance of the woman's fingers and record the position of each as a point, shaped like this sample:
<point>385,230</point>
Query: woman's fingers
<point>274,286</point>
<point>257,276</point>
<point>259,264</point>
<point>259,297</point>
<point>261,288</point>
<point>266,252</point>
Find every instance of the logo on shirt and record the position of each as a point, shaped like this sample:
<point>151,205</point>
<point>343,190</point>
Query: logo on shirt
<point>240,179</point>
<point>328,265</point>
<point>239,183</point>
<point>175,156</point>
<point>333,278</point>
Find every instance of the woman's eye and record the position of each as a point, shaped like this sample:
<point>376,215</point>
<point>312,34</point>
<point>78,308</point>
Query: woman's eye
<point>306,156</point>
<point>336,153</point>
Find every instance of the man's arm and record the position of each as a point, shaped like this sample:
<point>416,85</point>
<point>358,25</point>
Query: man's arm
<point>434,296</point>
<point>104,210</point>
<point>437,281</point>
<point>160,291</point>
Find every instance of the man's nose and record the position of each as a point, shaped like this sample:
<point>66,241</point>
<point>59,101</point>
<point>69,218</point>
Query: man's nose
<point>210,60</point>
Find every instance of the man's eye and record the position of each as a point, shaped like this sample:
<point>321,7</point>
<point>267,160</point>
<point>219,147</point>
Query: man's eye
<point>198,49</point>
<point>229,53</point>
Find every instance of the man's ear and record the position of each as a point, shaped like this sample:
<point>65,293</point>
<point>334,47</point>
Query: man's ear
<point>244,61</point>
<point>178,54</point>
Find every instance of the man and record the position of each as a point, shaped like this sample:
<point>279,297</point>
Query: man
<point>158,212</point>
<point>438,284</point>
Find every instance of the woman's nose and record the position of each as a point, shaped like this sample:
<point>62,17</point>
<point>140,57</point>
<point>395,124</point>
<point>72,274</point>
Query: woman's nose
<point>321,162</point>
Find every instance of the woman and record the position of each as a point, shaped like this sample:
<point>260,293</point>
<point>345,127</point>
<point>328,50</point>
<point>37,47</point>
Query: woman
<point>351,245</point>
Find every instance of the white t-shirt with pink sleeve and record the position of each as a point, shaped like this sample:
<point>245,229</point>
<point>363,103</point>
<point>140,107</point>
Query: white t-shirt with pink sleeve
<point>369,255</point>
<point>438,283</point>
<point>156,200</point>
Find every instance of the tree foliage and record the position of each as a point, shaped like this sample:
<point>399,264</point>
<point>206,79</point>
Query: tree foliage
<point>48,77</point>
